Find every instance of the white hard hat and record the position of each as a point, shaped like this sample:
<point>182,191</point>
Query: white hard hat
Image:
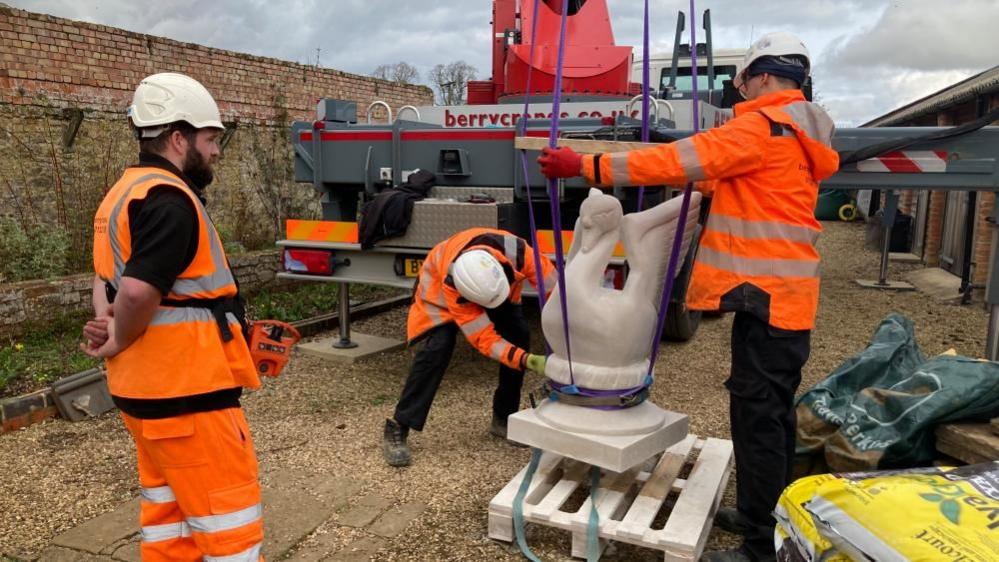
<point>169,97</point>
<point>479,277</point>
<point>777,44</point>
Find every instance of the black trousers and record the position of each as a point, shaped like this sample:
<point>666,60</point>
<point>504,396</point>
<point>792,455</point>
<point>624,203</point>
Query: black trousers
<point>766,372</point>
<point>434,355</point>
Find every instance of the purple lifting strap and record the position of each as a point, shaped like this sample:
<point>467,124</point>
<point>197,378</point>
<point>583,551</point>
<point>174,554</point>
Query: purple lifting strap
<point>522,125</point>
<point>681,223</point>
<point>594,393</point>
<point>645,94</point>
<point>553,188</point>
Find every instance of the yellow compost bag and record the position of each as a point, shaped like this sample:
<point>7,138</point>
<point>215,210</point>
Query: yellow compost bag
<point>796,539</point>
<point>921,514</point>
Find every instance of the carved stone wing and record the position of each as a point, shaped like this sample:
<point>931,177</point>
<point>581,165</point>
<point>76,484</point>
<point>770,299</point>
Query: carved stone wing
<point>648,238</point>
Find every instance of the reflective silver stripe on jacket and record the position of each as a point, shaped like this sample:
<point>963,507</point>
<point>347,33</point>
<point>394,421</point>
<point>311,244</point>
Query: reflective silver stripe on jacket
<point>251,554</point>
<point>166,315</point>
<point>220,277</point>
<point>165,532</point>
<point>425,281</point>
<point>812,119</point>
<point>689,160</point>
<point>769,230</point>
<point>226,521</point>
<point>434,312</point>
<point>433,306</point>
<point>497,350</point>
<point>619,168</point>
<point>760,267</point>
<point>160,494</point>
<point>510,249</point>
<point>481,321</point>
<point>119,263</point>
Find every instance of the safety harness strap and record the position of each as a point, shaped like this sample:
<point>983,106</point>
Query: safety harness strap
<point>625,401</point>
<point>218,307</point>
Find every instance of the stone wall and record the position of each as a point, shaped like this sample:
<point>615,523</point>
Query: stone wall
<point>64,140</point>
<point>39,301</point>
<point>52,60</point>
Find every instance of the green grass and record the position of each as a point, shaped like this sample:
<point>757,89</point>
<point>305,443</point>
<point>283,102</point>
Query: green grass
<point>297,302</point>
<point>49,351</point>
<point>46,352</point>
<point>305,300</point>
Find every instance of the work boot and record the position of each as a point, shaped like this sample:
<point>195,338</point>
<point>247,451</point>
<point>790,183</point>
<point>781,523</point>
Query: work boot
<point>394,447</point>
<point>729,519</point>
<point>498,428</point>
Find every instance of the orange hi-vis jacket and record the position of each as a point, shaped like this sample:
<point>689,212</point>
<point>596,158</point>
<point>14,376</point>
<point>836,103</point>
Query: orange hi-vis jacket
<point>437,301</point>
<point>182,352</point>
<point>761,168</point>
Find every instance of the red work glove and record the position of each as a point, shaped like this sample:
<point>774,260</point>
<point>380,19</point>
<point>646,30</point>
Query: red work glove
<point>561,162</point>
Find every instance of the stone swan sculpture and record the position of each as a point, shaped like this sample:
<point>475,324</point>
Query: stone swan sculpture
<point>610,331</point>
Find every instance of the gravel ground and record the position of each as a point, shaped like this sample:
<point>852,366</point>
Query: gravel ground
<point>328,418</point>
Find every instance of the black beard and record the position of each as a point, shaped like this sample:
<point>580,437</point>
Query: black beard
<point>197,169</point>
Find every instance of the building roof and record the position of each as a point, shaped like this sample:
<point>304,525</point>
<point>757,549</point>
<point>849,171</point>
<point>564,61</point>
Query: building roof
<point>982,83</point>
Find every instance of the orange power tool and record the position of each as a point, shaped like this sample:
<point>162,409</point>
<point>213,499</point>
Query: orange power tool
<point>270,345</point>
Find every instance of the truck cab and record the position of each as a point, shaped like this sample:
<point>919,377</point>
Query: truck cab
<point>726,64</point>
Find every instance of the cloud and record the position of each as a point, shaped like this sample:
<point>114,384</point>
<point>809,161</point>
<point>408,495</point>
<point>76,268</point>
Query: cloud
<point>351,35</point>
<point>869,56</point>
<point>850,105</point>
<point>922,35</point>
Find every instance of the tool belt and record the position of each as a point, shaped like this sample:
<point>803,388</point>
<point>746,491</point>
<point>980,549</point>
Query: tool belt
<point>218,307</point>
<point>625,401</point>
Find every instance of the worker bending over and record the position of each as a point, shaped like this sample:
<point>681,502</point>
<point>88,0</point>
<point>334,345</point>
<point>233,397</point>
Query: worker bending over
<point>757,257</point>
<point>169,326</point>
<point>472,283</point>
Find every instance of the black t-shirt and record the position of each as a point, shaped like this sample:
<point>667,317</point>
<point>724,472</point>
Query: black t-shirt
<point>164,230</point>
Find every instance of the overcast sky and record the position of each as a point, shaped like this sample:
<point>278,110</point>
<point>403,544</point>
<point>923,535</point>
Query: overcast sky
<point>869,56</point>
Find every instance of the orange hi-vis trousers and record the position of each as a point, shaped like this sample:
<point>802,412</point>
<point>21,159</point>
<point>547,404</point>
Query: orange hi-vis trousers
<point>200,494</point>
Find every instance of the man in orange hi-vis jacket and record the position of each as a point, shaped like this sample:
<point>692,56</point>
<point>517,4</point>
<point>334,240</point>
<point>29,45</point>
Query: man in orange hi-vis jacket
<point>472,283</point>
<point>169,326</point>
<point>756,258</point>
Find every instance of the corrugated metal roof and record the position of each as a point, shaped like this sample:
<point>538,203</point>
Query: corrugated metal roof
<point>983,83</point>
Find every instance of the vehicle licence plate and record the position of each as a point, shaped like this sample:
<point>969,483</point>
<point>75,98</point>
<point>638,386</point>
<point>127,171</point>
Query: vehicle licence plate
<point>411,267</point>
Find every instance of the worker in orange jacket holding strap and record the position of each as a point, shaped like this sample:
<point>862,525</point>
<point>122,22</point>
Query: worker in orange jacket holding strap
<point>472,283</point>
<point>757,257</point>
<point>169,324</point>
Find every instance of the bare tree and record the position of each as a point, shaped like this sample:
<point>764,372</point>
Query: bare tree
<point>400,73</point>
<point>449,81</point>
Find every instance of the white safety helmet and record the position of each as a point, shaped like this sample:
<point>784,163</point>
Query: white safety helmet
<point>479,277</point>
<point>169,97</point>
<point>777,44</point>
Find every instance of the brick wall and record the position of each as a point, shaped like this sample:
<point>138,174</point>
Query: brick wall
<point>906,203</point>
<point>52,60</point>
<point>935,213</point>
<point>982,252</point>
<point>62,80</point>
<point>39,300</point>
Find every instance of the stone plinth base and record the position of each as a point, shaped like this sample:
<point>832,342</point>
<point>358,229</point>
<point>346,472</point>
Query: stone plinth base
<point>613,452</point>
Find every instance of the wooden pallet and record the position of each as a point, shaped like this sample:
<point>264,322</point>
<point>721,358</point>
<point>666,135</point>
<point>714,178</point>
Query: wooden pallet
<point>972,443</point>
<point>627,502</point>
